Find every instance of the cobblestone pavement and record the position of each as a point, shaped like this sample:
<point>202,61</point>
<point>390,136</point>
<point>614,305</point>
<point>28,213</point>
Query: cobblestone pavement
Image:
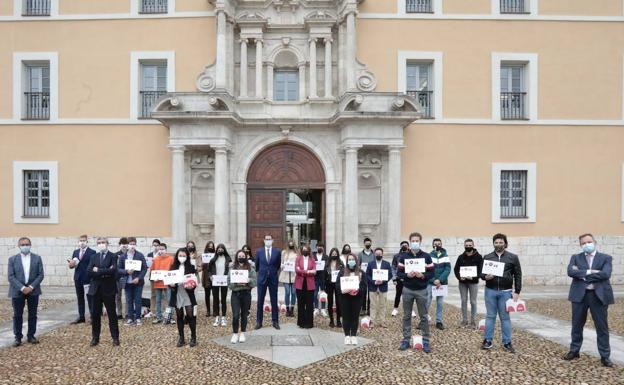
<point>148,355</point>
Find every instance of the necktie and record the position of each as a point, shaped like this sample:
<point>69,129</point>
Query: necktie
<point>268,255</point>
<point>81,254</point>
<point>101,258</point>
<point>589,261</point>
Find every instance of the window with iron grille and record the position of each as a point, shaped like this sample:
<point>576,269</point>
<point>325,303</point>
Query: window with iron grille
<point>419,85</point>
<point>286,85</point>
<point>513,6</point>
<point>36,7</point>
<point>418,6</point>
<point>154,6</point>
<point>153,85</point>
<point>513,93</point>
<point>513,194</point>
<point>37,93</point>
<point>36,193</point>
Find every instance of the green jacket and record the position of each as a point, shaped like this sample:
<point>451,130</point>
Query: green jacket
<point>248,286</point>
<point>442,266</point>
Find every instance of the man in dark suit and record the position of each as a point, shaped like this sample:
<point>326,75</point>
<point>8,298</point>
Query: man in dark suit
<point>79,262</point>
<point>103,271</point>
<point>25,272</point>
<point>590,289</point>
<point>268,263</point>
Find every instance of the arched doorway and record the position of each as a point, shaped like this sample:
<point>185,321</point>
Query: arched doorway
<point>285,196</point>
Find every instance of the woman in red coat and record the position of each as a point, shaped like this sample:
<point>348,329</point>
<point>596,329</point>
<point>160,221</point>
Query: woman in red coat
<point>305,270</point>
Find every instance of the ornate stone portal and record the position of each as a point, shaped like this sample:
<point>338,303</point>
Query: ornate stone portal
<point>286,72</point>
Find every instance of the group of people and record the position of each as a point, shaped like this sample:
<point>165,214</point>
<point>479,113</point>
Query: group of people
<point>340,284</point>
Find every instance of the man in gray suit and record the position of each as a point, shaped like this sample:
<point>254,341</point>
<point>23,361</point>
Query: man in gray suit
<point>25,276</point>
<point>590,289</point>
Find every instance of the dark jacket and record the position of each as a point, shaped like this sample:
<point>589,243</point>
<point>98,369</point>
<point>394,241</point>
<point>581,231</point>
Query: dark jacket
<point>320,274</point>
<point>17,278</point>
<point>512,275</point>
<point>105,278</point>
<point>600,280</point>
<point>363,283</point>
<point>442,266</point>
<point>81,276</point>
<point>415,283</point>
<point>469,260</point>
<point>328,274</point>
<point>395,265</point>
<point>140,274</point>
<point>212,266</point>
<point>190,292</point>
<point>385,265</point>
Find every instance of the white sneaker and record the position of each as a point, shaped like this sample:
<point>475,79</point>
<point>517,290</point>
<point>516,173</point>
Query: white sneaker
<point>139,322</point>
<point>223,321</point>
<point>324,313</point>
<point>316,312</point>
<point>395,311</point>
<point>234,338</point>
<point>216,322</point>
<point>429,319</point>
<point>413,314</point>
<point>347,340</point>
<point>354,340</point>
<point>241,338</point>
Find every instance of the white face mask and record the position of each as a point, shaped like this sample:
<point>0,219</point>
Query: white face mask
<point>161,252</point>
<point>102,246</point>
<point>182,260</point>
<point>82,244</point>
<point>268,242</point>
<point>131,247</point>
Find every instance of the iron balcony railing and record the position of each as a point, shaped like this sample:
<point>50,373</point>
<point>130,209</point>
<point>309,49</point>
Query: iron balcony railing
<point>425,98</point>
<point>418,6</point>
<point>513,6</point>
<point>513,105</point>
<point>148,98</point>
<point>154,6</point>
<point>37,105</point>
<point>36,8</point>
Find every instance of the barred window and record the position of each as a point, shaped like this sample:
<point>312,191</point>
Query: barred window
<point>153,85</point>
<point>419,85</point>
<point>418,6</point>
<point>36,7</point>
<point>513,6</point>
<point>513,194</point>
<point>36,193</point>
<point>153,6</point>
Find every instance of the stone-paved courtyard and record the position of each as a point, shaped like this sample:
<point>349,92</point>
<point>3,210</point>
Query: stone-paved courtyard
<point>148,356</point>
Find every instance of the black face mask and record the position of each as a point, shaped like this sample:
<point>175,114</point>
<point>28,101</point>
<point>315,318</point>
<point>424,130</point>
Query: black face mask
<point>367,247</point>
<point>306,253</point>
<point>242,259</point>
<point>437,248</point>
<point>291,247</point>
<point>220,252</point>
<point>499,249</point>
<point>403,248</point>
<point>379,257</point>
<point>191,249</point>
<point>346,251</point>
<point>319,251</point>
<point>211,249</point>
<point>334,257</point>
<point>247,252</point>
<point>468,249</point>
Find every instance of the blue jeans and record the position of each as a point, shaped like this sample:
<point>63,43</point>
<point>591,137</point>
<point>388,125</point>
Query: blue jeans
<point>133,301</point>
<point>160,293</point>
<point>18,313</point>
<point>439,303</point>
<point>495,304</point>
<point>290,295</point>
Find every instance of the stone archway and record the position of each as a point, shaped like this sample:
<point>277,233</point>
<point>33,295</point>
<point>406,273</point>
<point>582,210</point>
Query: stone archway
<point>274,172</point>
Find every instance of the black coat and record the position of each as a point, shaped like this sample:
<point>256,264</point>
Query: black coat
<point>104,281</point>
<point>469,260</point>
<point>188,269</point>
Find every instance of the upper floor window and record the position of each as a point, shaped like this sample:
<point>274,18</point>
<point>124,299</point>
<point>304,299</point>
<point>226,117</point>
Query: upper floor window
<point>514,6</point>
<point>37,91</point>
<point>418,6</point>
<point>36,7</point>
<point>154,6</point>
<point>419,85</point>
<point>36,194</point>
<point>286,85</point>
<point>153,85</point>
<point>513,93</point>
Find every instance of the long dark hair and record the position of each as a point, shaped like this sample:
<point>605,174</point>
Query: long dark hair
<point>206,249</point>
<point>246,246</point>
<point>237,264</point>
<point>344,247</point>
<point>225,252</point>
<point>187,263</point>
<point>357,265</point>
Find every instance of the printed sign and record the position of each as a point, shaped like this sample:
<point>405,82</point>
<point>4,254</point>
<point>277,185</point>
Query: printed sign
<point>132,264</point>
<point>441,291</point>
<point>492,267</point>
<point>467,271</point>
<point>380,275</point>
<point>173,277</point>
<point>289,267</point>
<point>207,257</point>
<point>239,276</point>
<point>414,264</point>
<point>320,265</point>
<point>334,275</point>
<point>219,280</point>
<point>349,283</point>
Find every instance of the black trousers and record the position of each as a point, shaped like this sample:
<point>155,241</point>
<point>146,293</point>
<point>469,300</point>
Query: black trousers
<point>80,294</point>
<point>207,292</point>
<point>399,292</point>
<point>305,307</point>
<point>96,324</point>
<point>332,294</point>
<point>599,316</point>
<point>351,306</point>
<point>219,296</point>
<point>241,302</point>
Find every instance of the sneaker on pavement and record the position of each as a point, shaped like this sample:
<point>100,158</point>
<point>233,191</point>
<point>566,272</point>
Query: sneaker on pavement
<point>216,321</point>
<point>242,338</point>
<point>426,347</point>
<point>139,322</point>
<point>354,340</point>
<point>223,321</point>
<point>395,311</point>
<point>234,338</point>
<point>486,345</point>
<point>509,347</point>
<point>404,345</point>
<point>439,325</point>
<point>129,322</point>
<point>413,314</point>
<point>316,312</point>
<point>347,340</point>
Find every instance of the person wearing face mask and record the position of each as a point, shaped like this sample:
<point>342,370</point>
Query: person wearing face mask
<point>351,299</point>
<point>241,297</point>
<point>183,299</point>
<point>498,290</point>
<point>403,247</point>
<point>441,271</point>
<point>468,285</point>
<point>415,290</point>
<point>195,258</point>
<point>149,258</point>
<point>305,270</point>
<point>319,279</point>
<point>25,271</point>
<point>332,269</point>
<point>79,261</point>
<point>287,278</point>
<point>252,262</point>
<point>346,250</point>
<point>268,263</point>
<point>103,272</point>
<point>162,261</point>
<point>219,265</point>
<point>366,256</point>
<point>205,278</point>
<point>121,283</point>
<point>590,290</point>
<point>134,281</point>
<point>378,289</point>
